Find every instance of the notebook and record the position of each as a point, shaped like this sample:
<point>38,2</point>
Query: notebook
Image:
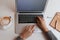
<point>55,23</point>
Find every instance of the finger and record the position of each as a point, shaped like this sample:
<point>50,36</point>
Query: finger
<point>26,27</point>
<point>37,21</point>
<point>32,31</point>
<point>39,18</point>
<point>32,27</point>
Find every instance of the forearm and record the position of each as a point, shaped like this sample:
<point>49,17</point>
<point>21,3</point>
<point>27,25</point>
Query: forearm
<point>49,34</point>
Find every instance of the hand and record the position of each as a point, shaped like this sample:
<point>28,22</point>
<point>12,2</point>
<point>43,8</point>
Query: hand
<point>27,31</point>
<point>41,23</point>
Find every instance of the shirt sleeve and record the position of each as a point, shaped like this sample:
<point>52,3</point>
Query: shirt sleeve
<point>19,38</point>
<point>51,35</point>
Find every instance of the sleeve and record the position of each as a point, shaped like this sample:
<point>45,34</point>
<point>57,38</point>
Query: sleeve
<point>19,38</point>
<point>51,36</point>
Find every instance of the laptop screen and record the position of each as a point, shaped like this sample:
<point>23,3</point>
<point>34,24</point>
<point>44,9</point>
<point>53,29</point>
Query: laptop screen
<point>30,5</point>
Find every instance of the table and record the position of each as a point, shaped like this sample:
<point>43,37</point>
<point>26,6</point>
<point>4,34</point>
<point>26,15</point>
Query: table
<point>7,8</point>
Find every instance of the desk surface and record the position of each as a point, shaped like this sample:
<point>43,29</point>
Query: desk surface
<point>7,8</point>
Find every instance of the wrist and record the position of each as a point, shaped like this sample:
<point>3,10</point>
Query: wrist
<point>21,36</point>
<point>46,29</point>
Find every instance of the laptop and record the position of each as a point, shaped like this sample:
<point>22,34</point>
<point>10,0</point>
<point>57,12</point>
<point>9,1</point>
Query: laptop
<point>27,11</point>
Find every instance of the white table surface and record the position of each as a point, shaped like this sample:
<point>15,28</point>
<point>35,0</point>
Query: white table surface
<point>7,8</point>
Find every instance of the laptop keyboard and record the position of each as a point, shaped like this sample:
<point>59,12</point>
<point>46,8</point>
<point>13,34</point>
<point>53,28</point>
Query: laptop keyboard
<point>27,18</point>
